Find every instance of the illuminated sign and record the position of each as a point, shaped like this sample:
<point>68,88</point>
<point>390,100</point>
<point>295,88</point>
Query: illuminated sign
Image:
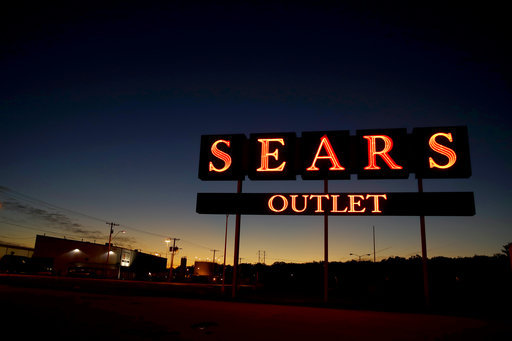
<point>126,257</point>
<point>443,156</point>
<point>326,155</point>
<point>347,204</point>
<point>434,152</point>
<point>222,157</point>
<point>272,156</point>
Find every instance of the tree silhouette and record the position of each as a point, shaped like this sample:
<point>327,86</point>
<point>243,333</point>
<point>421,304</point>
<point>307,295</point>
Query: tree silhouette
<point>506,249</point>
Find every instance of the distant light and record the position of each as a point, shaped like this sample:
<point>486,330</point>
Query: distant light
<point>76,250</point>
<point>111,252</point>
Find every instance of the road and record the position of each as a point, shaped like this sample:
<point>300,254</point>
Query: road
<point>57,314</point>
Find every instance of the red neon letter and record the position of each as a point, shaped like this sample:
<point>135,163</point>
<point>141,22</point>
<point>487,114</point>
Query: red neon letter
<point>265,146</point>
<point>449,153</point>
<point>319,200</point>
<point>372,152</point>
<point>376,201</point>
<point>354,203</point>
<point>220,155</point>
<point>271,203</point>
<point>294,203</point>
<point>335,204</point>
<point>324,143</point>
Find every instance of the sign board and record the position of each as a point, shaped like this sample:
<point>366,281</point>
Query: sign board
<point>126,257</point>
<point>342,204</point>
<point>434,152</point>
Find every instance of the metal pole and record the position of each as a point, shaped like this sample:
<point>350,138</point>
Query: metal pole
<point>237,246</point>
<point>213,259</point>
<point>172,259</point>
<point>109,241</point>
<point>112,224</point>
<point>326,249</point>
<point>224,265</point>
<point>373,243</point>
<point>426,290</point>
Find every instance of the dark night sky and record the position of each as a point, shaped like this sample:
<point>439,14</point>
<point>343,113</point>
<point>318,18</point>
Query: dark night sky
<point>102,109</point>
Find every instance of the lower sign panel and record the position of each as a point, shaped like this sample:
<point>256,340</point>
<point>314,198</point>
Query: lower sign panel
<point>385,204</point>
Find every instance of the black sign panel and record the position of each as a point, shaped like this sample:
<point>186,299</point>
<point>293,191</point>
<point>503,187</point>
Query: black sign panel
<point>222,157</point>
<point>382,154</point>
<point>434,152</point>
<point>444,152</point>
<point>326,155</point>
<point>273,156</point>
<point>347,204</point>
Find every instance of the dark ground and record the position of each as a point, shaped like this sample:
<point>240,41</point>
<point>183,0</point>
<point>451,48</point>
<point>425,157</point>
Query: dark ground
<point>76,309</point>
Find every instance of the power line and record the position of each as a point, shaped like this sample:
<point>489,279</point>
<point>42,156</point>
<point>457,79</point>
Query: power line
<point>17,194</point>
<point>45,203</point>
<point>45,231</point>
<point>143,231</point>
<point>195,244</point>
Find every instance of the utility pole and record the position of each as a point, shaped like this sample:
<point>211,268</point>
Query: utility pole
<point>173,250</point>
<point>214,251</point>
<point>112,224</point>
<point>260,257</point>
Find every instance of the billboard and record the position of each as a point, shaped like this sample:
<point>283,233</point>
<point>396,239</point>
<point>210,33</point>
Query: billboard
<point>433,152</point>
<point>341,204</point>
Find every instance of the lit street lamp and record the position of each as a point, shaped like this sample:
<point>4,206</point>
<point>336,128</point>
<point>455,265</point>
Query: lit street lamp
<point>167,241</point>
<point>123,231</point>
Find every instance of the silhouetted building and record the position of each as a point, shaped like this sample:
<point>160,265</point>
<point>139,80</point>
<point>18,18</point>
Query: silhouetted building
<point>78,258</point>
<point>205,272</point>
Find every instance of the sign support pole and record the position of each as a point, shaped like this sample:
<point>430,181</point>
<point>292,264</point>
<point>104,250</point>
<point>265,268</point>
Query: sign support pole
<point>326,249</point>
<point>224,265</point>
<point>426,290</point>
<point>237,246</point>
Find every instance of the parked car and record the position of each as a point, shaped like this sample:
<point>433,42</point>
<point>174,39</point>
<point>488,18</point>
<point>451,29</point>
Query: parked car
<point>81,271</point>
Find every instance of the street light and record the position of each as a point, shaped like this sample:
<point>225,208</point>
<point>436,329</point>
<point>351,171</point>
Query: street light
<point>123,231</point>
<point>167,241</point>
<point>353,254</point>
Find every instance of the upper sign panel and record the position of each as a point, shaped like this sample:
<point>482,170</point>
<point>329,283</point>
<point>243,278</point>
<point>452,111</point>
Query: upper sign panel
<point>433,152</point>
